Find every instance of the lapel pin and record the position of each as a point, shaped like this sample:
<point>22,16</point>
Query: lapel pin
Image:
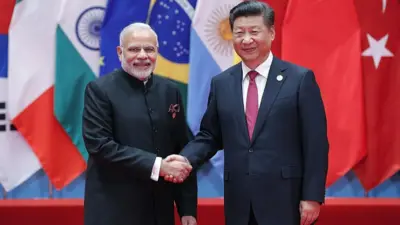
<point>279,77</point>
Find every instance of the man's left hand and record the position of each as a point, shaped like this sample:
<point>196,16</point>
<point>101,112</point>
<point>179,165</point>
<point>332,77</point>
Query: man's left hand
<point>188,220</point>
<point>309,211</point>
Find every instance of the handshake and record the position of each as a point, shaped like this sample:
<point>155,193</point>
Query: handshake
<point>175,168</point>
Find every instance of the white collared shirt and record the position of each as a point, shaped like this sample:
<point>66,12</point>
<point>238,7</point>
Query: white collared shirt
<point>261,79</point>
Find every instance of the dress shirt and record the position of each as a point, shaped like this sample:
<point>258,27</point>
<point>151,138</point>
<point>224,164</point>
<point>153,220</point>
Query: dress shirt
<point>261,79</point>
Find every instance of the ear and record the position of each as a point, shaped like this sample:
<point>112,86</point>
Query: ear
<point>272,32</point>
<point>119,52</point>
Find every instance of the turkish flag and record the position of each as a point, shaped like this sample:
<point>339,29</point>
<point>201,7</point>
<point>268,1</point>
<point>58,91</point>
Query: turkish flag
<point>325,37</point>
<point>380,35</point>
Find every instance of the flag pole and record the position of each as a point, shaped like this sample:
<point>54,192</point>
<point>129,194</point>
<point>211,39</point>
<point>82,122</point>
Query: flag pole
<point>4,192</point>
<point>50,189</point>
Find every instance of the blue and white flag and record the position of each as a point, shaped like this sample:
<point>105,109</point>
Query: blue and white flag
<point>211,52</point>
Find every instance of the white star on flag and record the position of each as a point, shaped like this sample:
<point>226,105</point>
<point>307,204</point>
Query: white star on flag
<point>377,49</point>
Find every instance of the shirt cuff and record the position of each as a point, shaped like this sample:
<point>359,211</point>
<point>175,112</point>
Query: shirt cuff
<point>155,172</point>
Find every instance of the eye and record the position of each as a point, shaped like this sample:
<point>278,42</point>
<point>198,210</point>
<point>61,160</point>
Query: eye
<point>134,49</point>
<point>149,49</point>
<point>238,33</point>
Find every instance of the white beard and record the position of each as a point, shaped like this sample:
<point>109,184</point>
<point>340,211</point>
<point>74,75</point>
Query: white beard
<point>135,72</point>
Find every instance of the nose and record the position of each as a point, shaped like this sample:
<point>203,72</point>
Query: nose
<point>142,54</point>
<point>247,39</point>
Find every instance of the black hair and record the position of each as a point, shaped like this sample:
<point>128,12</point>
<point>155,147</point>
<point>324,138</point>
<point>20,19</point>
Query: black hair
<point>253,8</point>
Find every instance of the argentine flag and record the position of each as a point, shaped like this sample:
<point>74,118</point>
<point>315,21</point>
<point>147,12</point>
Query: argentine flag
<point>211,52</point>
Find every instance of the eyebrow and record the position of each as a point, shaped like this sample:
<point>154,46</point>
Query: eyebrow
<point>139,46</point>
<point>255,26</point>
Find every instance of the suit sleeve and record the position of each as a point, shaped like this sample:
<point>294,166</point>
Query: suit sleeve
<point>98,137</point>
<point>209,139</point>
<point>314,139</point>
<point>185,194</point>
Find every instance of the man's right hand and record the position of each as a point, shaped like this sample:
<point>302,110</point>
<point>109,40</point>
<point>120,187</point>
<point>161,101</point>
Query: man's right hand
<point>175,169</point>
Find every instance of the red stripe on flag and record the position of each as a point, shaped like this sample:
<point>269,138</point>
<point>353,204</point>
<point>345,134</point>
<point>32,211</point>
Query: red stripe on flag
<point>325,36</point>
<point>6,10</point>
<point>59,157</point>
<point>382,85</point>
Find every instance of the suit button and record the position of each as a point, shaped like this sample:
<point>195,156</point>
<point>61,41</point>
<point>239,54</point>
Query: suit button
<point>250,150</point>
<point>155,130</point>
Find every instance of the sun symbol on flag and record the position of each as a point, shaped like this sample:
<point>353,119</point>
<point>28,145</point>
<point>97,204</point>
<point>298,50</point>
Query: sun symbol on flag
<point>218,31</point>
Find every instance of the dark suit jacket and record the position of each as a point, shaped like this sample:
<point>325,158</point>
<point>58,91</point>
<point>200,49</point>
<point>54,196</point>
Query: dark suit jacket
<point>125,126</point>
<point>287,159</point>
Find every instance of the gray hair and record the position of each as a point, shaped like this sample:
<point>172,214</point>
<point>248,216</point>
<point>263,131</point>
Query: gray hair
<point>135,27</point>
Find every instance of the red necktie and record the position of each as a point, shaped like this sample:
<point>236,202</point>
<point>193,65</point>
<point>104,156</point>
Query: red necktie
<point>252,103</point>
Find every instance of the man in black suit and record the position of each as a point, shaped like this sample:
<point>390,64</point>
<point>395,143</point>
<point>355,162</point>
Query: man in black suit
<point>268,116</point>
<point>131,121</point>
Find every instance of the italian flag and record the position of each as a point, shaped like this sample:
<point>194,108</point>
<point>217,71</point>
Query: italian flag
<point>49,65</point>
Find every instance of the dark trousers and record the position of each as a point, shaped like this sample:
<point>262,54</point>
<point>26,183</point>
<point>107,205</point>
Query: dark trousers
<point>252,219</point>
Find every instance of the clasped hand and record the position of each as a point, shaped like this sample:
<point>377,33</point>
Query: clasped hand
<point>175,168</point>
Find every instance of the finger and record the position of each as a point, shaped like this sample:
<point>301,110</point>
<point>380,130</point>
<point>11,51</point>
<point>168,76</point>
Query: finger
<point>169,178</point>
<point>314,217</point>
<point>184,170</point>
<point>308,219</point>
<point>180,158</point>
<point>170,158</point>
<point>185,173</point>
<point>303,218</point>
<point>187,166</point>
<point>187,170</point>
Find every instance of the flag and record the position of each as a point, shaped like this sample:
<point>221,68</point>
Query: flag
<point>380,57</point>
<point>17,160</point>
<point>325,37</point>
<point>280,8</point>
<point>211,52</point>
<point>172,21</point>
<point>77,62</point>
<point>119,14</point>
<point>6,9</point>
<point>32,36</point>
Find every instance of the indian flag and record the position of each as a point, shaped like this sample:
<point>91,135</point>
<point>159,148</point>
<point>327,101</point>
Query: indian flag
<point>32,47</point>
<point>77,62</point>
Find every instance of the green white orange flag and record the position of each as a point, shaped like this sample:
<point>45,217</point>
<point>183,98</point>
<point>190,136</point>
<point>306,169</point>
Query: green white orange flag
<point>31,89</point>
<point>77,62</point>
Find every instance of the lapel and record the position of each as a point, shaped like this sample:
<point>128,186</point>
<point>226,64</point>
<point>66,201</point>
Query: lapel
<point>271,90</point>
<point>236,85</point>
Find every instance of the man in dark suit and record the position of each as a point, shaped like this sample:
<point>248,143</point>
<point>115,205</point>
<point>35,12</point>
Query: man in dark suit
<point>268,116</point>
<point>131,121</point>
